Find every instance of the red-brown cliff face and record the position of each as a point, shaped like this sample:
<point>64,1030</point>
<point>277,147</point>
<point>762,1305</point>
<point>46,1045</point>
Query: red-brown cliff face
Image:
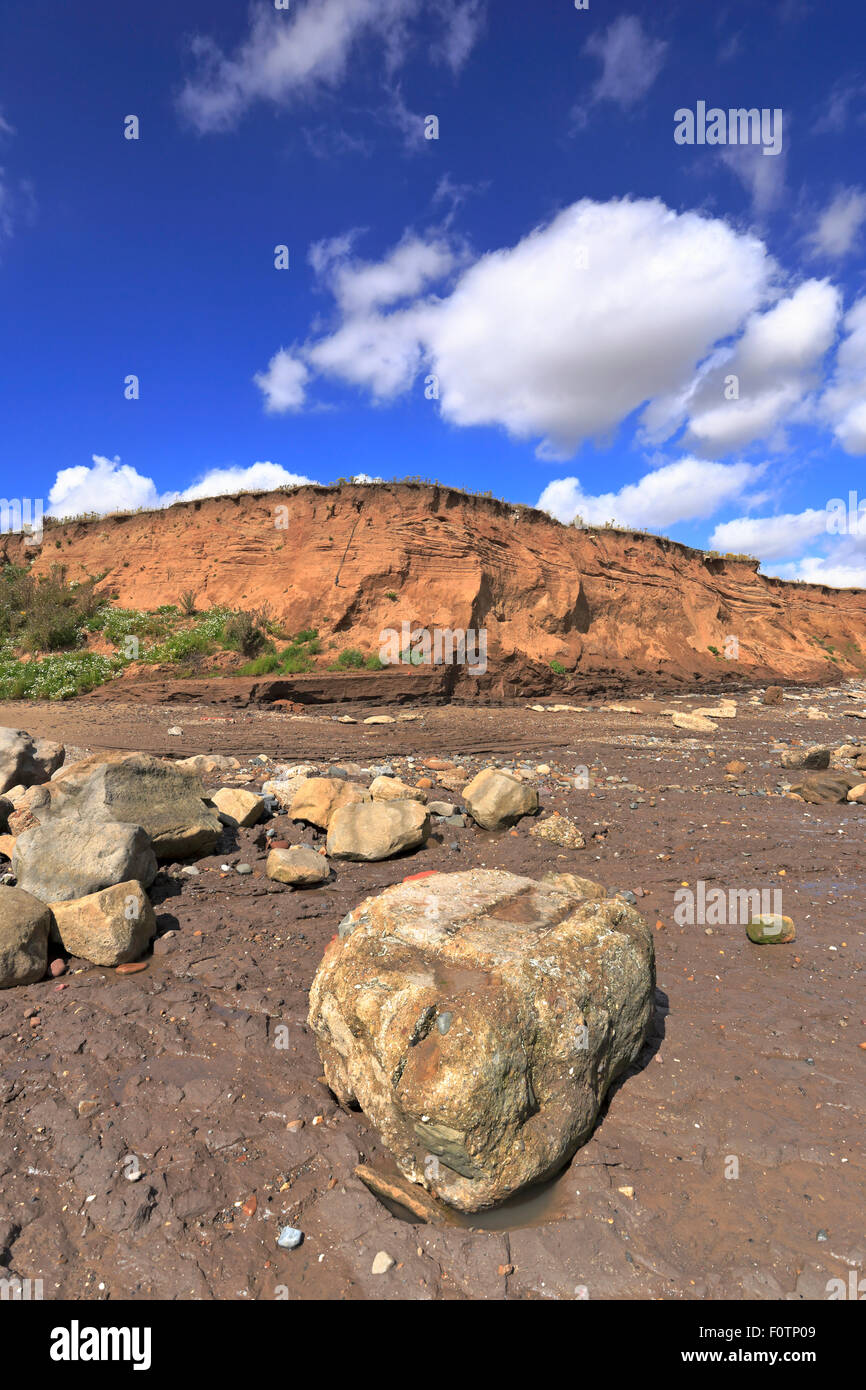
<point>610,606</point>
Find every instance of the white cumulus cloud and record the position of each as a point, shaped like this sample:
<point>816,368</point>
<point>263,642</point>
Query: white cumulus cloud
<point>774,365</point>
<point>771,537</point>
<point>687,490</point>
<point>558,338</point>
<point>107,485</point>
<point>284,383</point>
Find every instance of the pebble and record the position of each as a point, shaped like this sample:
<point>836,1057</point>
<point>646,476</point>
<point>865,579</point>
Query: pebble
<point>245,868</point>
<point>132,968</point>
<point>382,1263</point>
<point>289,1238</point>
<point>175,732</point>
<point>57,967</point>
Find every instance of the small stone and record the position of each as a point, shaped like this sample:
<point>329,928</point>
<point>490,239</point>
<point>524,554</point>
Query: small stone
<point>57,967</point>
<point>87,1107</point>
<point>244,868</point>
<point>289,1238</point>
<point>382,1263</point>
<point>175,732</point>
<point>771,929</point>
<point>559,830</point>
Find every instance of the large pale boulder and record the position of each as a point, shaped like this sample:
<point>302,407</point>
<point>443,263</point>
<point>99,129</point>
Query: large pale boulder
<point>108,928</point>
<point>239,807</point>
<point>24,924</point>
<point>317,798</point>
<point>377,829</point>
<point>69,858</point>
<point>495,798</point>
<point>136,789</point>
<point>478,1019</point>
<point>26,760</point>
<point>299,866</point>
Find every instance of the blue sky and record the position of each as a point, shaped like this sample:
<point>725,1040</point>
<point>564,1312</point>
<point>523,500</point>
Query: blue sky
<point>553,300</point>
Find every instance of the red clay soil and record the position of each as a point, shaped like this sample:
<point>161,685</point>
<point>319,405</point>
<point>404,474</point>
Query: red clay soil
<point>727,1164</point>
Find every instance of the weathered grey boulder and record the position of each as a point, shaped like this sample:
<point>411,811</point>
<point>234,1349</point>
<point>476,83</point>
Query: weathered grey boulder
<point>26,760</point>
<point>478,1019</point>
<point>298,866</point>
<point>70,859</point>
<point>135,789</point>
<point>377,829</point>
<point>317,798</point>
<point>24,924</point>
<point>821,788</point>
<point>108,928</point>
<point>817,758</point>
<point>495,799</point>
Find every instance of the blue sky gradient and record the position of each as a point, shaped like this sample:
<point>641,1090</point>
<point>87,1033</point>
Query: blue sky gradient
<point>596,388</point>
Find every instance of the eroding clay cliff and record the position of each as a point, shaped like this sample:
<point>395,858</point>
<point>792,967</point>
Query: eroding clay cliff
<point>611,607</point>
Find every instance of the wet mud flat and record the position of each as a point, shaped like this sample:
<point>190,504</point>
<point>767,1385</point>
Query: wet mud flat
<point>158,1128</point>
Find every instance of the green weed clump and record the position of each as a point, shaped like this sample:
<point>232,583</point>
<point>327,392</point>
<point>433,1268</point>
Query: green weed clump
<point>54,677</point>
<point>45,613</point>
